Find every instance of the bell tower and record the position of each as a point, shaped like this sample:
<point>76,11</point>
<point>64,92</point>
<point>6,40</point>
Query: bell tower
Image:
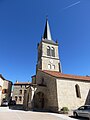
<point>48,56</point>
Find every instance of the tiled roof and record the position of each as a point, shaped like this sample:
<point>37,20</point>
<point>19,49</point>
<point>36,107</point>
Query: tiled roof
<point>66,76</point>
<point>22,83</point>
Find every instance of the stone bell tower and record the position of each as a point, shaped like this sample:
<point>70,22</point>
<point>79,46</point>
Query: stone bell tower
<point>48,57</point>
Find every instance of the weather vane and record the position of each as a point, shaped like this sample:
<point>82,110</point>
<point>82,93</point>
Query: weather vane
<point>46,17</point>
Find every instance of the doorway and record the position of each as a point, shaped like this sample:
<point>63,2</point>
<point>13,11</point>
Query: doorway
<point>39,100</point>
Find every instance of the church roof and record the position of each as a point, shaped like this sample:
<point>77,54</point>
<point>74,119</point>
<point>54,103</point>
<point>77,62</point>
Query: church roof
<point>49,41</point>
<point>66,76</point>
<point>47,38</point>
<point>47,33</point>
<point>22,83</point>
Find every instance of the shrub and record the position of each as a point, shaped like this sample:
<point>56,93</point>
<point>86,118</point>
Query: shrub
<point>64,110</point>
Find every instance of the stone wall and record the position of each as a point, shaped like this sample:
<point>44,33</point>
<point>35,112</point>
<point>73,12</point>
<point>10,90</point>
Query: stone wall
<point>44,49</point>
<point>16,93</point>
<point>49,89</point>
<point>7,86</point>
<point>66,93</point>
<point>46,59</point>
<point>1,84</point>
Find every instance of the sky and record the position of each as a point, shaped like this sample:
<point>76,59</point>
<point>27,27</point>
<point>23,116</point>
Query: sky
<point>22,25</point>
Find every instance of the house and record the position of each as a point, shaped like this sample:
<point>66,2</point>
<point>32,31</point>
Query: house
<point>52,89</point>
<point>1,84</point>
<point>19,90</point>
<point>5,89</point>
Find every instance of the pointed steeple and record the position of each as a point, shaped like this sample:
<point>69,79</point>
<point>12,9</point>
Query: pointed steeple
<point>47,33</point>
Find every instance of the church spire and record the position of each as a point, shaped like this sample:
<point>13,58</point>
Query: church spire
<point>47,33</point>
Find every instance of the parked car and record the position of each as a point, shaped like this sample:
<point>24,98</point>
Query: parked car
<point>4,102</point>
<point>83,111</point>
<point>12,102</point>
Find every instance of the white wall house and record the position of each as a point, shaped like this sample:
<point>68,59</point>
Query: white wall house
<point>1,85</point>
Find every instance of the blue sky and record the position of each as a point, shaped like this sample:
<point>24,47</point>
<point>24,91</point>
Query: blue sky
<point>21,28</point>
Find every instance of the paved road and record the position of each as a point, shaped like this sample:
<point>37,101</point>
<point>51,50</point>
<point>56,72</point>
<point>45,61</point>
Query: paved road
<point>9,114</point>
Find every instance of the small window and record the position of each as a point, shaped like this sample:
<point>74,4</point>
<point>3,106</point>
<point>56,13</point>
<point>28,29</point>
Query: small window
<point>53,67</point>
<point>59,67</point>
<point>48,51</point>
<point>24,91</point>
<point>21,86</point>
<point>49,66</point>
<point>78,94</point>
<point>20,98</point>
<point>52,52</point>
<point>20,91</point>
<point>15,98</point>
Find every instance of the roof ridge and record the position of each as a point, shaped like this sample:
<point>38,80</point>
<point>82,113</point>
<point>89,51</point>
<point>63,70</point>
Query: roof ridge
<point>66,76</point>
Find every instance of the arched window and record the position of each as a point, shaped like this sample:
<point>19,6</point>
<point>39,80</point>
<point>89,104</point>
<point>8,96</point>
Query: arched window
<point>20,91</point>
<point>15,98</point>
<point>53,67</point>
<point>49,66</point>
<point>52,52</point>
<point>48,51</point>
<point>78,94</point>
<point>20,98</point>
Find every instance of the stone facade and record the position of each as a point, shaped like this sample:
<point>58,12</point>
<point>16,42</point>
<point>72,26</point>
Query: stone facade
<point>66,93</point>
<point>5,89</point>
<point>1,85</point>
<point>28,103</point>
<point>61,92</point>
<point>19,89</point>
<point>48,88</point>
<point>45,60</point>
<point>26,99</point>
<point>53,61</point>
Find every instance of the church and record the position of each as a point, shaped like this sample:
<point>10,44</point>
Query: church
<point>51,89</point>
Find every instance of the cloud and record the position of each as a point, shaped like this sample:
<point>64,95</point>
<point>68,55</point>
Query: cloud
<point>72,5</point>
